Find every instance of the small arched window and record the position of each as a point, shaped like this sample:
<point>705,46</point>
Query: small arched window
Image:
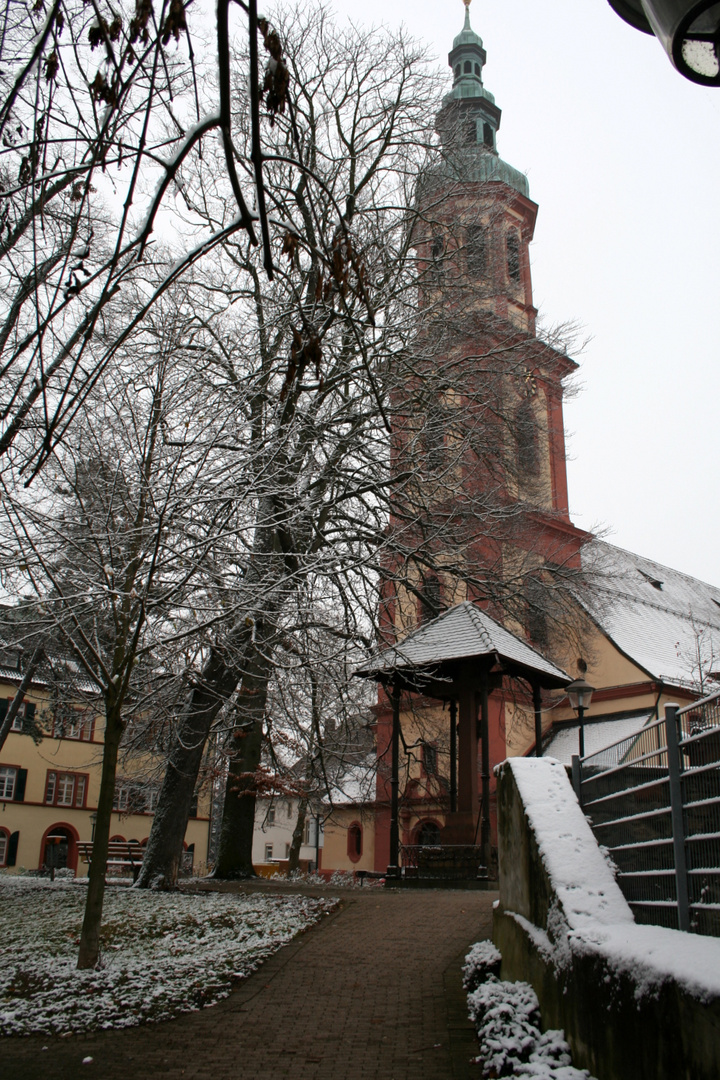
<point>458,70</point>
<point>477,70</point>
<point>488,136</point>
<point>467,68</point>
<point>355,842</point>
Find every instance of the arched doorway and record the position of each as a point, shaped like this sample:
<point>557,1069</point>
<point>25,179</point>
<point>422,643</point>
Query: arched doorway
<point>59,848</point>
<point>428,834</point>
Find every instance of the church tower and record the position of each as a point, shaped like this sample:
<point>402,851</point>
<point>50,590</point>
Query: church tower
<point>481,434</point>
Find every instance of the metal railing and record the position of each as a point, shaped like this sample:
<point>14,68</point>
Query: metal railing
<point>442,862</point>
<point>653,801</point>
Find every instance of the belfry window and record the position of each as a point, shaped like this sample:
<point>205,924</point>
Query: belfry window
<point>467,68</point>
<point>513,256</point>
<point>477,70</point>
<point>488,136</point>
<point>476,249</point>
<point>458,69</point>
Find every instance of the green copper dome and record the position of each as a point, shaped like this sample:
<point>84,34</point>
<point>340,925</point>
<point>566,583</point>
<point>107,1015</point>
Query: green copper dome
<point>469,119</point>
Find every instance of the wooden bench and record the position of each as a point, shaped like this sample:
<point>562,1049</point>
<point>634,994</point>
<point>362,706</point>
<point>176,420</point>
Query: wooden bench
<point>122,855</point>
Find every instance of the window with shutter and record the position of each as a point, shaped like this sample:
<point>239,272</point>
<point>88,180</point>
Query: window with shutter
<point>8,779</point>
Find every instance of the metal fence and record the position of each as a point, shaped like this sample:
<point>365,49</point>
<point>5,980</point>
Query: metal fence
<point>653,801</point>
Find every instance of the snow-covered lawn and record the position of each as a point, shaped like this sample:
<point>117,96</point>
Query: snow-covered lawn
<point>163,953</point>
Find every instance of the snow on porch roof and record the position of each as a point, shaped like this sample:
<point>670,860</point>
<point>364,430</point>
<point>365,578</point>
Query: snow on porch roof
<point>464,632</point>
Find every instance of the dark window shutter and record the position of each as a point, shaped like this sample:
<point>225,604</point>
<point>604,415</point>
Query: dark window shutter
<point>194,805</point>
<point>4,703</point>
<point>12,849</point>
<point>20,785</point>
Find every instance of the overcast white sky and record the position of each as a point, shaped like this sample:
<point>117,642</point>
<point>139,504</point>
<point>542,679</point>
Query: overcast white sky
<point>623,157</point>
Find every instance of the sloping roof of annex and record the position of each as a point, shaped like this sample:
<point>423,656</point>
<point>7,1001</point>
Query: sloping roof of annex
<point>666,622</point>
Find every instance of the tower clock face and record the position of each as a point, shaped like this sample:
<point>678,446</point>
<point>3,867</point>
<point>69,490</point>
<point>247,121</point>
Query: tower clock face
<point>529,383</point>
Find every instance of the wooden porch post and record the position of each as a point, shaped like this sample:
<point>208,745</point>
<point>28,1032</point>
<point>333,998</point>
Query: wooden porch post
<point>395,784</point>
<point>467,758</point>
<point>485,796</point>
<point>537,706</point>
<point>453,756</point>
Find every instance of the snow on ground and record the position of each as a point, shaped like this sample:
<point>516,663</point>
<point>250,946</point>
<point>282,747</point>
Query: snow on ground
<point>163,953</point>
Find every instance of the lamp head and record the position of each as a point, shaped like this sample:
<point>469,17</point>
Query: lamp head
<point>580,694</point>
<point>689,31</point>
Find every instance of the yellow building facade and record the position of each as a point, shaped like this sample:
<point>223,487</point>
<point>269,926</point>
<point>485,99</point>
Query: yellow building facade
<point>49,786</point>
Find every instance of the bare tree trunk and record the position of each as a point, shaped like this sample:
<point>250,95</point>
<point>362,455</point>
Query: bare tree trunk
<point>163,853</point>
<point>296,843</point>
<point>90,935</point>
<point>236,832</point>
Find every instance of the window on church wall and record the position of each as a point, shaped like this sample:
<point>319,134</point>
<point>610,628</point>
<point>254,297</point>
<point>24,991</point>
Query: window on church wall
<point>468,67</point>
<point>513,256</point>
<point>355,842</point>
<point>476,249</point>
<point>430,598</point>
<point>477,70</point>
<point>430,758</point>
<point>470,132</point>
<point>488,136</point>
<point>528,441</point>
<point>536,614</point>
<point>458,71</point>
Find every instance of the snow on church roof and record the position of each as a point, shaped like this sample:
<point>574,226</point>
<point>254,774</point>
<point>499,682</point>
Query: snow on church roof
<point>666,622</point>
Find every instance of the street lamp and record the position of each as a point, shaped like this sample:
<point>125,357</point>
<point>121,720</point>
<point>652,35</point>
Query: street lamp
<point>688,30</point>
<point>580,694</point>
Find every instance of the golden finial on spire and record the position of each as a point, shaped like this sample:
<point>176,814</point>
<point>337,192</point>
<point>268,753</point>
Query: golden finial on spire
<point>467,13</point>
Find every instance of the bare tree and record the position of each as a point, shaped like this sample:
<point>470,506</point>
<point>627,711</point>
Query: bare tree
<point>101,106</point>
<point>109,542</point>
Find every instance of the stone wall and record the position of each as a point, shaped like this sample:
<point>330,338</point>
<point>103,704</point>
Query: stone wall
<point>636,1002</point>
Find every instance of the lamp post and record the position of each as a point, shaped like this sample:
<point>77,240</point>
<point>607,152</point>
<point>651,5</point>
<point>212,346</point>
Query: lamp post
<point>580,694</point>
<point>688,30</point>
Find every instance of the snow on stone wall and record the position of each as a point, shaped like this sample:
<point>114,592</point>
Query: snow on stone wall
<point>591,905</point>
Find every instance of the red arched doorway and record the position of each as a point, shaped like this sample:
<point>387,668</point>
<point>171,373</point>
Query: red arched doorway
<point>59,847</point>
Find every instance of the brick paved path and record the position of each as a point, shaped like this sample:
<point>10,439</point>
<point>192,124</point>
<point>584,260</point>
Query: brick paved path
<point>372,993</point>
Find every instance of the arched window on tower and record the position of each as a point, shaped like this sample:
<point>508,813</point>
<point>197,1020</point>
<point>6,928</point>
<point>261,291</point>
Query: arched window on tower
<point>476,249</point>
<point>477,70</point>
<point>536,612</point>
<point>513,256</point>
<point>458,71</point>
<point>488,136</point>
<point>528,443</point>
<point>434,436</point>
<point>467,68</point>
<point>470,132</point>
